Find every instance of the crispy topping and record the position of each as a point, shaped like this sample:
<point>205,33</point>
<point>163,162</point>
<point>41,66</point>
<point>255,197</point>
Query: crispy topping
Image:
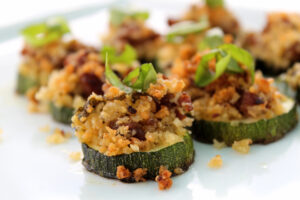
<point>216,162</point>
<point>139,174</point>
<point>164,178</point>
<point>242,146</point>
<point>75,156</point>
<point>123,173</point>
<point>58,137</point>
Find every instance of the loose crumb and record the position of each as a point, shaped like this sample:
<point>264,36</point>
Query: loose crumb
<point>45,129</point>
<point>139,174</point>
<point>218,145</point>
<point>164,178</point>
<point>216,162</point>
<point>58,137</point>
<point>75,156</point>
<point>242,146</point>
<point>178,171</point>
<point>123,173</point>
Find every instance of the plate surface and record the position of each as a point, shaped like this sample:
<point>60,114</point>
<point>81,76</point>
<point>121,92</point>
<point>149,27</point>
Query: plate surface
<point>32,169</point>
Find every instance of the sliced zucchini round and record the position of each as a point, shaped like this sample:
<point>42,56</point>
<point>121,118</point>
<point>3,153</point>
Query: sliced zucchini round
<point>61,114</point>
<point>261,131</point>
<point>24,83</point>
<point>178,155</point>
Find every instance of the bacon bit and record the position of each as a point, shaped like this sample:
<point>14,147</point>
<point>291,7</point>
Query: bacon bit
<point>163,179</point>
<point>172,21</point>
<point>216,162</point>
<point>179,115</point>
<point>90,83</point>
<point>249,99</point>
<point>242,146</point>
<point>139,174</point>
<point>123,173</point>
<point>186,102</point>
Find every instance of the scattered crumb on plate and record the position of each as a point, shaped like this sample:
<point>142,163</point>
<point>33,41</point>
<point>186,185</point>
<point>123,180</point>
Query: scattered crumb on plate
<point>58,137</point>
<point>45,129</point>
<point>218,145</point>
<point>75,156</point>
<point>242,146</point>
<point>216,162</point>
<point>164,178</point>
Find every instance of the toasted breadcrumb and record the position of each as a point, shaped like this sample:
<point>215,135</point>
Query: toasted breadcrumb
<point>216,162</point>
<point>242,146</point>
<point>45,129</point>
<point>75,156</point>
<point>164,178</point>
<point>58,137</point>
<point>139,174</point>
<point>218,145</point>
<point>123,173</point>
<point>178,171</point>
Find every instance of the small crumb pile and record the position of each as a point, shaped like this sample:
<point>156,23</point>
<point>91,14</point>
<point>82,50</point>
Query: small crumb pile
<point>164,178</point>
<point>178,171</point>
<point>242,146</point>
<point>216,162</point>
<point>75,156</point>
<point>218,145</point>
<point>139,174</point>
<point>44,129</point>
<point>58,137</point>
<point>123,173</point>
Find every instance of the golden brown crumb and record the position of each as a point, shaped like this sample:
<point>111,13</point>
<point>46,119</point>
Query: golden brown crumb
<point>123,173</point>
<point>139,174</point>
<point>178,171</point>
<point>75,156</point>
<point>164,178</point>
<point>216,162</point>
<point>58,137</point>
<point>218,145</point>
<point>242,146</point>
<point>45,129</point>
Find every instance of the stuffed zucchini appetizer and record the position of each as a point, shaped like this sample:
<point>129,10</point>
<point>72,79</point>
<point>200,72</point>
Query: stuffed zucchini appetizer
<point>129,27</point>
<point>216,13</point>
<point>292,78</point>
<point>82,75</point>
<point>139,124</point>
<point>43,52</point>
<point>277,47</point>
<point>231,102</point>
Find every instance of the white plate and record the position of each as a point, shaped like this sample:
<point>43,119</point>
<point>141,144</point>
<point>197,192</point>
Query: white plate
<point>32,169</point>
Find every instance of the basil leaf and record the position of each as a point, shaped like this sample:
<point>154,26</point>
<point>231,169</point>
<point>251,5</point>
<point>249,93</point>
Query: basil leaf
<point>127,56</point>
<point>214,3</point>
<point>113,78</point>
<point>145,75</point>
<point>241,56</point>
<point>211,42</point>
<point>234,67</point>
<point>187,27</point>
<point>117,16</point>
<point>46,32</point>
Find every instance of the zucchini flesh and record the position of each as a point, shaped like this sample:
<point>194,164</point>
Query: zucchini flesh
<point>261,131</point>
<point>61,114</point>
<point>24,83</point>
<point>180,155</point>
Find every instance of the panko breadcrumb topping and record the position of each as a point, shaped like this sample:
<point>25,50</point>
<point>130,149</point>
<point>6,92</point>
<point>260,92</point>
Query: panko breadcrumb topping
<point>123,172</point>
<point>75,156</point>
<point>242,146</point>
<point>216,162</point>
<point>164,178</point>
<point>218,145</point>
<point>58,137</point>
<point>45,129</point>
<point>139,174</point>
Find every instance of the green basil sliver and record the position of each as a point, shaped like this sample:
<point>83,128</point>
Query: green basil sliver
<point>117,16</point>
<point>128,56</point>
<point>214,3</point>
<point>211,42</point>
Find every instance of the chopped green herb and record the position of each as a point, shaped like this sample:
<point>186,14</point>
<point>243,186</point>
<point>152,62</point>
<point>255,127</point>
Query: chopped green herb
<point>46,32</point>
<point>214,3</point>
<point>211,42</point>
<point>127,56</point>
<point>117,16</point>
<point>227,59</point>
<point>186,28</point>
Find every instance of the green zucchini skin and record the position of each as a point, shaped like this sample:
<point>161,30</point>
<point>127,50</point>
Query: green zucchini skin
<point>24,83</point>
<point>180,155</point>
<point>268,69</point>
<point>262,131</point>
<point>61,114</point>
